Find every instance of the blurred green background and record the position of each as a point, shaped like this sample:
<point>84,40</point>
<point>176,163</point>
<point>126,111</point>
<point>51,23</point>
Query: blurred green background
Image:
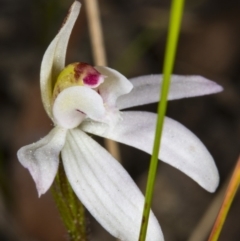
<point>135,35</point>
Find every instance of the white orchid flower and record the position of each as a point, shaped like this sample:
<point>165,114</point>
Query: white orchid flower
<point>82,99</point>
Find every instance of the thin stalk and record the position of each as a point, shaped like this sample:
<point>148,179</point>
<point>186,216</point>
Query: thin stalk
<point>203,228</point>
<point>99,55</point>
<point>70,208</point>
<point>229,196</point>
<point>174,29</point>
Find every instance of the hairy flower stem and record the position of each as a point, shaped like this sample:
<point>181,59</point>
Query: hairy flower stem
<point>70,208</point>
<point>174,29</point>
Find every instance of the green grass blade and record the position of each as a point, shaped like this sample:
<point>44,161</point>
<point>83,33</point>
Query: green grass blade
<point>174,29</point>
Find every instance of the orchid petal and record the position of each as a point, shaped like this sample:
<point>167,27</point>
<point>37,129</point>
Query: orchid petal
<point>74,103</point>
<point>42,158</point>
<point>54,58</point>
<point>105,188</point>
<point>146,89</point>
<point>180,147</point>
<point>114,85</point>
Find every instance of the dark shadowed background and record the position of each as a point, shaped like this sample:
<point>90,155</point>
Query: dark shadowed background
<point>135,34</point>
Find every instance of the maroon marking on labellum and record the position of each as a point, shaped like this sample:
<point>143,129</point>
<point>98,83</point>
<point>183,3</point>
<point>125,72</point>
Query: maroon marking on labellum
<point>91,79</point>
<point>79,69</point>
<point>91,75</point>
<point>80,111</point>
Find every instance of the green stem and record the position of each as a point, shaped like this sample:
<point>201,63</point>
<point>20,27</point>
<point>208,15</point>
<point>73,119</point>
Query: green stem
<point>174,29</point>
<point>70,208</point>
